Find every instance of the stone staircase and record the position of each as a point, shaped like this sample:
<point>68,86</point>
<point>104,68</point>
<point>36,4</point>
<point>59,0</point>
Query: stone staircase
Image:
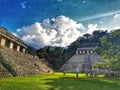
<point>77,61</point>
<point>4,72</point>
<point>72,64</point>
<point>22,64</point>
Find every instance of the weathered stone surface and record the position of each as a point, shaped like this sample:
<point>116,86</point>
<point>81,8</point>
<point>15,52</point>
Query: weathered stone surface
<point>6,33</point>
<point>82,61</point>
<point>4,72</point>
<point>19,64</point>
<point>14,61</point>
<point>7,39</point>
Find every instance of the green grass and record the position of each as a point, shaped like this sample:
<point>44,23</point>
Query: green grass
<point>57,81</point>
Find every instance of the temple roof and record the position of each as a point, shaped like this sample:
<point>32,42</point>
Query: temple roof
<point>4,32</point>
<point>82,62</point>
<point>85,49</point>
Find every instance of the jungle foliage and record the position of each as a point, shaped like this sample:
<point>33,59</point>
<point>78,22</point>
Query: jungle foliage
<point>57,56</point>
<point>110,51</point>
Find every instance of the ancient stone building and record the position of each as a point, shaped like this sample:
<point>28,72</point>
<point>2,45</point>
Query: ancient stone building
<point>13,59</point>
<point>82,61</point>
<point>11,41</point>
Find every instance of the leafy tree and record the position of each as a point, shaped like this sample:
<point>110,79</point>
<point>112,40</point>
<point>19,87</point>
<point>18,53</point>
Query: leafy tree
<point>87,40</point>
<point>87,36</point>
<point>41,53</point>
<point>30,50</point>
<point>54,55</point>
<point>110,50</point>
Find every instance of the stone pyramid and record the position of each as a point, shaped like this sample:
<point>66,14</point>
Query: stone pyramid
<point>82,61</point>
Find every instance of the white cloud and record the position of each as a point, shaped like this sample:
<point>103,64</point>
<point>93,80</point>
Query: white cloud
<point>116,16</point>
<point>99,16</point>
<point>110,24</point>
<point>15,35</point>
<point>62,31</point>
<point>23,5</point>
<point>59,31</point>
<point>92,27</point>
<point>116,19</point>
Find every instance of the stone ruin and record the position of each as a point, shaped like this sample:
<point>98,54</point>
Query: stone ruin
<point>14,61</point>
<point>82,61</point>
<point>10,41</point>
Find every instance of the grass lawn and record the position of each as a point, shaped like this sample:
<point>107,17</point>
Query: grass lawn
<point>57,81</point>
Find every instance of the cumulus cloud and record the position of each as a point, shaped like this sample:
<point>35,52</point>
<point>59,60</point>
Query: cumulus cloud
<point>110,24</point>
<point>92,27</point>
<point>62,31</point>
<point>59,31</point>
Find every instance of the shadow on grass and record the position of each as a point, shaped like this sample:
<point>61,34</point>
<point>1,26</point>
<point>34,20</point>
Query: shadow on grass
<point>67,83</point>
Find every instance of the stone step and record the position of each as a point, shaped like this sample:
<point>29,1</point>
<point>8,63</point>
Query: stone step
<point>24,64</point>
<point>77,60</point>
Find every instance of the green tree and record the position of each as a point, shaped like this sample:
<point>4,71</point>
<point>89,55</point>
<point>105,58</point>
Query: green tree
<point>110,50</point>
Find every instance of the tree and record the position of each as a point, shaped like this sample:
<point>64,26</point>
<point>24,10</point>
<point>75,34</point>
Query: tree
<point>87,40</point>
<point>110,50</point>
<point>87,36</point>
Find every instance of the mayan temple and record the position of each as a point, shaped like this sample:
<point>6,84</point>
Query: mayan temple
<point>14,61</point>
<point>82,61</point>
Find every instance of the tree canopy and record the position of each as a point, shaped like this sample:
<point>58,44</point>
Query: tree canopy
<point>57,56</point>
<point>110,51</point>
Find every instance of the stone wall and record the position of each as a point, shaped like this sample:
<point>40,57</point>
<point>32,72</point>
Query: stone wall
<point>8,40</point>
<point>4,72</point>
<point>82,62</point>
<point>18,64</point>
<point>6,33</point>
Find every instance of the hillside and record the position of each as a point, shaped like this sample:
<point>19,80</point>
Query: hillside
<point>59,55</point>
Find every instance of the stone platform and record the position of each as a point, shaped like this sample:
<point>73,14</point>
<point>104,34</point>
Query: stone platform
<point>82,61</point>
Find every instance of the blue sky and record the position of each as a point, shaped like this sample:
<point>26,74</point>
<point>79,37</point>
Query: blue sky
<point>19,15</point>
